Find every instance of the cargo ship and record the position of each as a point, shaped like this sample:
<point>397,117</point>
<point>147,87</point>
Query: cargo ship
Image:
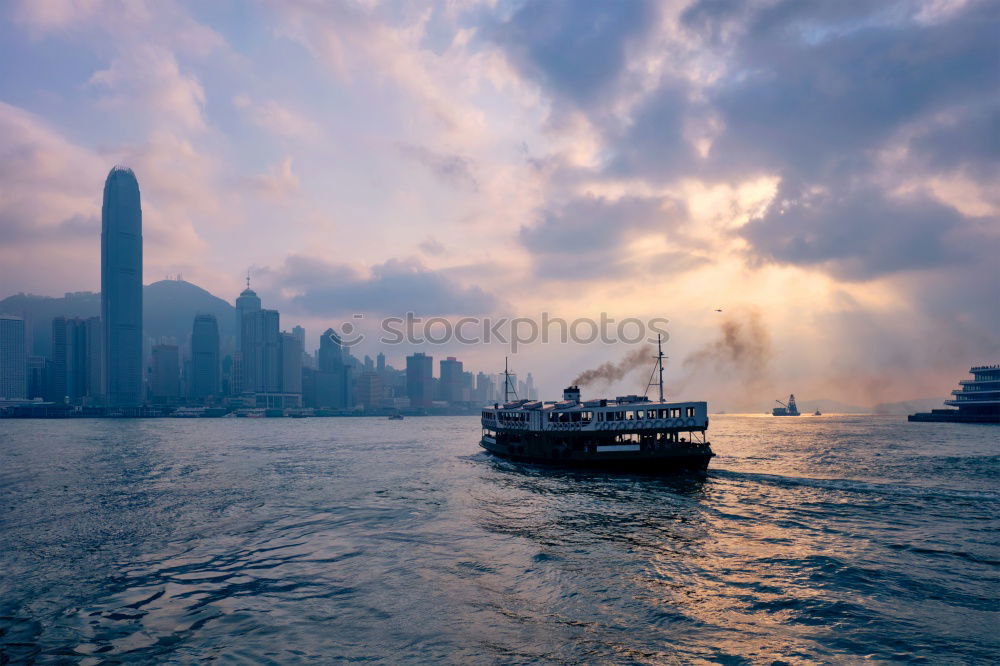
<point>628,432</point>
<point>978,401</point>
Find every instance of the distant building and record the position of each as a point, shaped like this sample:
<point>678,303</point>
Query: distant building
<point>333,379</point>
<point>291,363</point>
<point>451,380</point>
<point>13,358</point>
<point>370,393</point>
<point>261,352</point>
<point>420,379</point>
<point>121,288</point>
<point>94,365</point>
<point>39,372</point>
<point>165,376</point>
<point>75,371</point>
<point>380,363</point>
<point>204,381</point>
<point>484,389</point>
<point>247,302</point>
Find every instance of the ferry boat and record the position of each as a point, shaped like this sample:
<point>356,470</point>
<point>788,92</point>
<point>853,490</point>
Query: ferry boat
<point>978,401</point>
<point>625,433</point>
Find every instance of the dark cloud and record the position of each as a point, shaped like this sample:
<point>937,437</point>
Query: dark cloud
<point>654,146</point>
<point>576,49</point>
<point>453,169</point>
<point>966,140</point>
<point>861,233</point>
<point>807,98</point>
<point>393,288</point>
<point>585,238</point>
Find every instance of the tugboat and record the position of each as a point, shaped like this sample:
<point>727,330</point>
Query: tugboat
<point>791,409</point>
<point>629,432</point>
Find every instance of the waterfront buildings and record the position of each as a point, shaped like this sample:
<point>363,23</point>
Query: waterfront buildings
<point>164,382</point>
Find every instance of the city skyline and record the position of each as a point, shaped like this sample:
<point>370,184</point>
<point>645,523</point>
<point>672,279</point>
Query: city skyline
<point>452,161</point>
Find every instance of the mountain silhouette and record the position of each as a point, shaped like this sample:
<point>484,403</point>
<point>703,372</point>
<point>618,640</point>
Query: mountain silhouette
<point>168,310</point>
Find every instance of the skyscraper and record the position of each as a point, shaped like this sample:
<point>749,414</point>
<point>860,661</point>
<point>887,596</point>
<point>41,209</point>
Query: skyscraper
<point>13,359</point>
<point>248,301</point>
<point>333,379</point>
<point>420,379</point>
<point>204,357</point>
<point>261,351</point>
<point>121,288</point>
<point>291,363</point>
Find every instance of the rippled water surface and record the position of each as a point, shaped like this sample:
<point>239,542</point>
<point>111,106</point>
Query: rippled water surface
<point>811,539</point>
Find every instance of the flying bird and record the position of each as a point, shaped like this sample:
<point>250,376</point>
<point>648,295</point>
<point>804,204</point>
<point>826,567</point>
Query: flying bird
<point>718,309</point>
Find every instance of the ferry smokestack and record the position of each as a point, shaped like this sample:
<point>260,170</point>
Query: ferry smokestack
<point>571,393</point>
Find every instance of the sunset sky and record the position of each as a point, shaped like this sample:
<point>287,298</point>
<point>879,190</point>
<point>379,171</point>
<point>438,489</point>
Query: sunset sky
<point>826,173</point>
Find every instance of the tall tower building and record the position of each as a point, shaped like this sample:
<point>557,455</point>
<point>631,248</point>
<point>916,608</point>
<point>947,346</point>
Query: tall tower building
<point>247,302</point>
<point>121,288</point>
<point>13,359</point>
<point>204,357</point>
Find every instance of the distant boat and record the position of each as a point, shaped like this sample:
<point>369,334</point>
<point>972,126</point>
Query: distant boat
<point>791,409</point>
<point>817,413</point>
<point>395,417</point>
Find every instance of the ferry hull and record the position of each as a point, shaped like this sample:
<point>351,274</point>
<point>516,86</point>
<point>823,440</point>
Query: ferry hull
<point>540,450</point>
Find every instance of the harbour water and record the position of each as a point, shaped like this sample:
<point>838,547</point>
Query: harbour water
<point>810,540</point>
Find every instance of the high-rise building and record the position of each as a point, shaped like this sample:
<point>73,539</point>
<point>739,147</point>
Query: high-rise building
<point>291,363</point>
<point>261,351</point>
<point>165,379</point>
<point>451,379</point>
<point>370,393</point>
<point>380,363</point>
<point>333,379</point>
<point>420,379</point>
<point>247,302</point>
<point>39,372</point>
<point>300,335</point>
<point>93,361</point>
<point>121,288</point>
<point>13,358</point>
<point>484,389</point>
<point>58,384</point>
<point>204,382</point>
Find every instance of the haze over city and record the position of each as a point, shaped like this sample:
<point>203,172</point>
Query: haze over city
<point>825,175</point>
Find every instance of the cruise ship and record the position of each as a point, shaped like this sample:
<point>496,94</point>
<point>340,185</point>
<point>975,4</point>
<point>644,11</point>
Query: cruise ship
<point>625,433</point>
<point>978,401</point>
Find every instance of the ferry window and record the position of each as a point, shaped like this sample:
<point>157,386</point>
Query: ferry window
<point>575,417</point>
<point>675,412</point>
<point>663,413</point>
<point>600,416</point>
<point>640,414</point>
<point>690,411</point>
<point>631,415</point>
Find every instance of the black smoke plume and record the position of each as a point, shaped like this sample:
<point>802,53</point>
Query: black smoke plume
<point>608,373</point>
<point>741,349</point>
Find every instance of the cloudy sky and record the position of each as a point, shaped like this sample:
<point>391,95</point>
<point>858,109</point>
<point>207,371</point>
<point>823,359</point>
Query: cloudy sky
<point>824,172</point>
